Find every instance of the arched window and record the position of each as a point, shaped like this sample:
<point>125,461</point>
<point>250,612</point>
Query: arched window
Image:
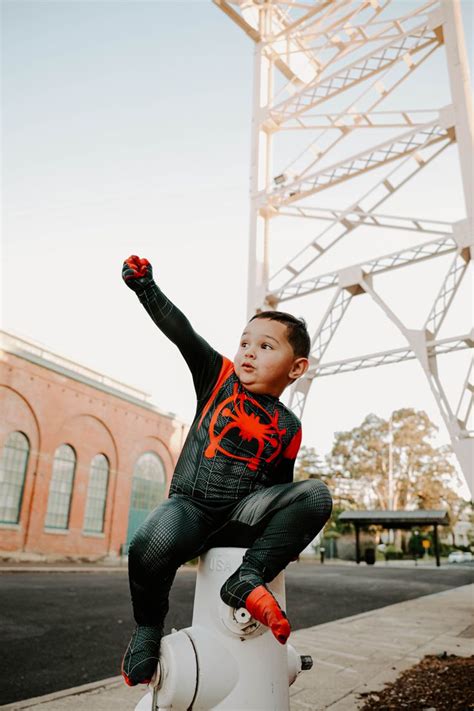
<point>13,463</point>
<point>96,494</point>
<point>60,489</point>
<point>148,490</point>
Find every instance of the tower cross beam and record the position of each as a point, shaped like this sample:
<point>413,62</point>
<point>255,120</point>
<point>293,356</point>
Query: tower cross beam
<point>392,356</point>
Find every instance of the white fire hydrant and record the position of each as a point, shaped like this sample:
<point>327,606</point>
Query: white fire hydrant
<point>226,659</point>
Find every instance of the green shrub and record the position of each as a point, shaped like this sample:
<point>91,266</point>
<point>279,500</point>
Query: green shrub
<point>444,549</point>
<point>393,553</point>
<point>415,545</point>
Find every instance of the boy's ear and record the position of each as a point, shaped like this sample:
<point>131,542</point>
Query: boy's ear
<point>299,368</point>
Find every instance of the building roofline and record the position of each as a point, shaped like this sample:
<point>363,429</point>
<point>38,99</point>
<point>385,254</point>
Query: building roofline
<point>39,355</point>
<point>394,518</point>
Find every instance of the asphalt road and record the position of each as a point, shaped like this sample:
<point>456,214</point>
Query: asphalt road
<point>59,630</point>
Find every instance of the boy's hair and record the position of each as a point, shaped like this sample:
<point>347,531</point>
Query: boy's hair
<point>296,331</point>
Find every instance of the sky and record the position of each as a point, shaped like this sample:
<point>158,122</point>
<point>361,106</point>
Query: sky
<point>126,130</point>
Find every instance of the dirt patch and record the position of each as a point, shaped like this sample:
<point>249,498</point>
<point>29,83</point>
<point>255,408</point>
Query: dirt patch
<point>443,682</point>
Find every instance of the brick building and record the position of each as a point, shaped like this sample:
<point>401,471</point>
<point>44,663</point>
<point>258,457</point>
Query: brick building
<point>83,458</point>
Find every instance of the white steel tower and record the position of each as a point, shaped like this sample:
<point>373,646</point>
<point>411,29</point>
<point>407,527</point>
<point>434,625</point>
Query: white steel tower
<point>356,103</point>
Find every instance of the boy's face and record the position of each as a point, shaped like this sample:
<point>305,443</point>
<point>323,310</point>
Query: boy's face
<point>265,362</point>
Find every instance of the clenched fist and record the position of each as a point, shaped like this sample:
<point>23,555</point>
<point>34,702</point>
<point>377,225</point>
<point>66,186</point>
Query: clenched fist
<point>137,273</point>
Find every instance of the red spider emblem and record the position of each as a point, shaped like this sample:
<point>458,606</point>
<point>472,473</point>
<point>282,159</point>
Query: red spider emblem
<point>250,427</point>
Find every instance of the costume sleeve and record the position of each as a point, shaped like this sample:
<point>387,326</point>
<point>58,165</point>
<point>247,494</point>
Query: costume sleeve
<point>285,467</point>
<point>203,361</point>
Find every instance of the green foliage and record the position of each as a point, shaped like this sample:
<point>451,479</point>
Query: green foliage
<point>311,465</point>
<point>393,553</point>
<point>422,474</point>
<point>334,524</point>
<point>331,534</point>
<point>445,549</point>
<point>415,545</point>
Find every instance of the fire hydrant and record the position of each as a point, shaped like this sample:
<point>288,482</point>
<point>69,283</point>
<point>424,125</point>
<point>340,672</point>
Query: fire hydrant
<point>226,659</point>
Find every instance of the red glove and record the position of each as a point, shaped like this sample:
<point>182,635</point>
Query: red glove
<point>137,273</point>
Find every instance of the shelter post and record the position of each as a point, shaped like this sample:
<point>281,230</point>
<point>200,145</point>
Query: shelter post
<point>357,544</point>
<point>436,544</point>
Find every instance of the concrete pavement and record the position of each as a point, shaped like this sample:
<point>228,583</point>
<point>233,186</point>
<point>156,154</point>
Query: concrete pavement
<point>352,655</point>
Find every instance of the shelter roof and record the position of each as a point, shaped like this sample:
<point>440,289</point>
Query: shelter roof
<point>396,519</point>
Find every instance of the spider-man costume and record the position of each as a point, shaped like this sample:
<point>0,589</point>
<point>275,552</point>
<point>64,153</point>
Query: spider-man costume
<point>232,482</point>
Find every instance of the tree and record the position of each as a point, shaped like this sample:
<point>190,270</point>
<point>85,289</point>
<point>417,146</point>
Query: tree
<point>395,462</point>
<point>310,465</point>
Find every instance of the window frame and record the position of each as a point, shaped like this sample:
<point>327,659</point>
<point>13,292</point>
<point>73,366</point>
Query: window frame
<point>21,487</point>
<point>57,493</point>
<point>89,499</point>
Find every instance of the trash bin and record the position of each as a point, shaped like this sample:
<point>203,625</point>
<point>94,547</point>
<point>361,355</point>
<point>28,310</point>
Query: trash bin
<point>369,556</point>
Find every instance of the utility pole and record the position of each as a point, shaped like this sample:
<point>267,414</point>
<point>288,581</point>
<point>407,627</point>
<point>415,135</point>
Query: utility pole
<point>391,504</point>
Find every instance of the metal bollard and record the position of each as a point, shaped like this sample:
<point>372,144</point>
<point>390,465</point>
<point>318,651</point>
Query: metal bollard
<point>226,659</point>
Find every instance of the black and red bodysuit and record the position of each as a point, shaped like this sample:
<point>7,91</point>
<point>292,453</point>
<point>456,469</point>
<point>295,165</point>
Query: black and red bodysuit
<point>232,484</point>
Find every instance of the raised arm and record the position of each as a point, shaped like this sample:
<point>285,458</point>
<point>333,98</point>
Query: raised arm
<point>203,361</point>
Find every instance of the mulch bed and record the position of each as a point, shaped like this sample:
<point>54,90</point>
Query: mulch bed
<point>443,682</point>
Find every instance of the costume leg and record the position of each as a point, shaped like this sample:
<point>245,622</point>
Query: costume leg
<point>278,523</point>
<point>172,534</point>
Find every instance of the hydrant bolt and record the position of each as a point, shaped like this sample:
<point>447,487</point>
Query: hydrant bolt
<point>242,616</point>
<point>306,662</point>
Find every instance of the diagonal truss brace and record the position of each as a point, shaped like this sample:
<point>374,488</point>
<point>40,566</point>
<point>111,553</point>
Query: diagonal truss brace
<point>330,323</point>
<point>404,145</point>
<point>466,399</point>
<point>418,340</point>
<point>388,262</point>
<point>446,294</point>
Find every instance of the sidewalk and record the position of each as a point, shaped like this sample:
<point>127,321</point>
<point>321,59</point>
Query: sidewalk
<point>352,655</point>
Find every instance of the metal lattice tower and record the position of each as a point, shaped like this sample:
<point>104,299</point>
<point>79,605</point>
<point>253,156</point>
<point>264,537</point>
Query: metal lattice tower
<point>331,76</point>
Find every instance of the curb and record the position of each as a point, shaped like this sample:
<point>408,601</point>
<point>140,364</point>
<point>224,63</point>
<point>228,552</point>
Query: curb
<point>73,569</point>
<point>74,691</point>
<point>65,569</point>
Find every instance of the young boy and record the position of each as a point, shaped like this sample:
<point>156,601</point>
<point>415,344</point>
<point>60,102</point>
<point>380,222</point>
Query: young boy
<point>233,481</point>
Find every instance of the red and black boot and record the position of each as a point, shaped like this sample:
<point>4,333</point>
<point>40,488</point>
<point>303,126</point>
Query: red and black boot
<point>263,607</point>
<point>141,658</point>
